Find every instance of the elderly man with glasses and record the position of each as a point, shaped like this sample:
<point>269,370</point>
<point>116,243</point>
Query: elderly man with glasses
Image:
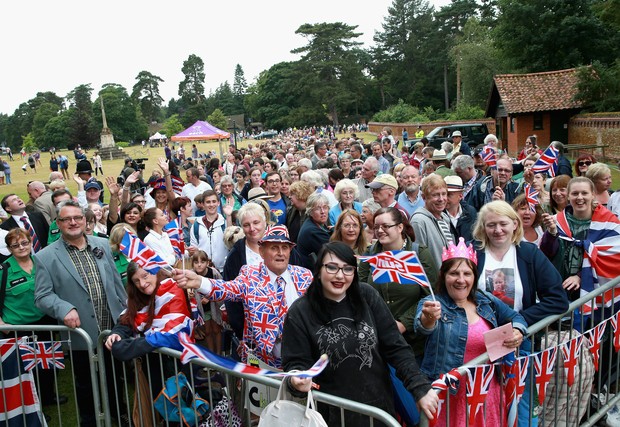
<point>498,185</point>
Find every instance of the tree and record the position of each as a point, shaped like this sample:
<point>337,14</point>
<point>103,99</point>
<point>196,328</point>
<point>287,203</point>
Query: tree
<point>57,130</point>
<point>548,35</point>
<point>332,62</point>
<point>192,89</point>
<point>122,114</point>
<point>20,122</point>
<point>82,128</point>
<point>218,119</point>
<point>146,94</point>
<point>478,60</point>
<point>240,88</point>
<point>44,114</point>
<point>29,144</point>
<point>599,87</point>
<point>172,126</point>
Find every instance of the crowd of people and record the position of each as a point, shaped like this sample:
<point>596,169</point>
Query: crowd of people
<point>272,233</point>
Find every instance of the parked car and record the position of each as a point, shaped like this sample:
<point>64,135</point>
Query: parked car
<point>266,134</point>
<point>472,133</point>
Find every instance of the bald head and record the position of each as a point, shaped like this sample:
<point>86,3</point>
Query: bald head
<point>35,189</point>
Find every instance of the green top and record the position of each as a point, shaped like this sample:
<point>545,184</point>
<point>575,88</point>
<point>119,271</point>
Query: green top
<point>19,308</point>
<point>121,262</point>
<point>53,234</point>
<point>569,258</point>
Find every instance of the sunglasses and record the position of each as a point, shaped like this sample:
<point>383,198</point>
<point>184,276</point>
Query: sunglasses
<point>585,163</point>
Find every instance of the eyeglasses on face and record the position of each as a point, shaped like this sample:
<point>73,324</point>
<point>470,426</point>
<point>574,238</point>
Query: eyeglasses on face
<point>347,270</point>
<point>22,244</point>
<point>321,208</point>
<point>504,170</point>
<point>384,227</point>
<point>585,163</point>
<point>351,226</point>
<point>76,218</point>
<point>273,181</point>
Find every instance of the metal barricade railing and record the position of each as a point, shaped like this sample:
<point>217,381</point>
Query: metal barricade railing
<point>235,383</point>
<point>561,328</point>
<point>62,380</point>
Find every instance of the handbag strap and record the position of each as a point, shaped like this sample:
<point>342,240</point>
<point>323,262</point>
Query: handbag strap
<point>4,269</point>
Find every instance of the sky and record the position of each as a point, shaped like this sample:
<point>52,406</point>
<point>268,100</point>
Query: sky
<point>56,46</point>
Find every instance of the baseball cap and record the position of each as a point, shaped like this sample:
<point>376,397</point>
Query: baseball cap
<point>384,179</point>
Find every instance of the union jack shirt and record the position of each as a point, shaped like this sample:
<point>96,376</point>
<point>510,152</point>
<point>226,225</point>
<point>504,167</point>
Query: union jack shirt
<point>264,311</point>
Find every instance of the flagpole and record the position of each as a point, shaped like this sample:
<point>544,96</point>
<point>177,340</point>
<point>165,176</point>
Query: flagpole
<point>181,236</point>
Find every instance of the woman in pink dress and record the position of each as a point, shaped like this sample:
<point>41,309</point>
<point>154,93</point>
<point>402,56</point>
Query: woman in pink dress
<point>455,323</point>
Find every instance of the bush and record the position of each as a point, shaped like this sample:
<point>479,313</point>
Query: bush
<point>122,144</point>
<point>399,113</point>
<point>465,111</point>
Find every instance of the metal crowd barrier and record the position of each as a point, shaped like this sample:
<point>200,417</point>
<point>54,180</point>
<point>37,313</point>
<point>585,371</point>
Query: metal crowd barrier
<point>235,383</point>
<point>592,394</point>
<point>63,380</point>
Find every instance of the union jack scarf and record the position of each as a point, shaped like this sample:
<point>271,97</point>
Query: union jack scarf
<point>601,254</point>
<point>171,317</point>
<point>548,162</point>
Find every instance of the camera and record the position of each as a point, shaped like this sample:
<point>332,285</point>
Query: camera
<point>138,164</point>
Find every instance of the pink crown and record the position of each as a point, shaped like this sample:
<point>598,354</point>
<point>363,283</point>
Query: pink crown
<point>459,251</point>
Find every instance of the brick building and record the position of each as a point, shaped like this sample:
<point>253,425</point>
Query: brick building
<point>538,104</point>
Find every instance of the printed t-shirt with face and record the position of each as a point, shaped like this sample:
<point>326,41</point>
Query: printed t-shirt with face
<point>501,279</point>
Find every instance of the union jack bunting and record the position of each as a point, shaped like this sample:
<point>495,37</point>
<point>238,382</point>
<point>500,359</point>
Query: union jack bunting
<point>138,252</point>
<point>595,335</point>
<point>614,323</point>
<point>531,196</point>
<point>175,233</point>
<point>448,382</point>
<point>171,316</point>
<point>570,351</point>
<point>479,380</point>
<point>544,363</point>
<point>46,354</point>
<point>489,155</point>
<point>601,255</point>
<point>402,267</point>
<point>192,351</point>
<point>19,403</point>
<point>548,162</point>
<point>514,372</point>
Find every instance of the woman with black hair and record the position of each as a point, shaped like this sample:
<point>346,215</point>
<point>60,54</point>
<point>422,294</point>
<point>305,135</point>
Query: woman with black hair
<point>348,321</point>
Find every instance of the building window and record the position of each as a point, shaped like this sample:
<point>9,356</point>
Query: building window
<point>512,125</point>
<point>538,121</point>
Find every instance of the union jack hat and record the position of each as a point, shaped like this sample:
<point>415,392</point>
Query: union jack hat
<point>158,184</point>
<point>276,233</point>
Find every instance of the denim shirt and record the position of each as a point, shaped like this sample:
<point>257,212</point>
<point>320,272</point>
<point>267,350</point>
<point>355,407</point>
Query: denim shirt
<point>445,345</point>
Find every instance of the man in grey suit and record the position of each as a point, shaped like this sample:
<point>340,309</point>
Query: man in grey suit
<point>42,197</point>
<point>78,285</point>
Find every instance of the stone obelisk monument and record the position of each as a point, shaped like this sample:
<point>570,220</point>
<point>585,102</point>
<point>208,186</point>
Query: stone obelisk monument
<point>107,139</point>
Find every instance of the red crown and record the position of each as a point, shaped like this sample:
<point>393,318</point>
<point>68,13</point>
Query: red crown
<point>459,251</point>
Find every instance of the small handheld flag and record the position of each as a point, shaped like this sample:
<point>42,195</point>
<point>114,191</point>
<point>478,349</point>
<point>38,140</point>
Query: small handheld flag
<point>531,196</point>
<point>489,155</point>
<point>548,162</point>
<point>138,252</point>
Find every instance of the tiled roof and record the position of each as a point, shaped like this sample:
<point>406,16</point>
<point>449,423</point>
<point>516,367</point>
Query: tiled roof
<point>525,93</point>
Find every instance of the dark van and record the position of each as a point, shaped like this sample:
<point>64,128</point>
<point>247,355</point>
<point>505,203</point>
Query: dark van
<point>472,133</point>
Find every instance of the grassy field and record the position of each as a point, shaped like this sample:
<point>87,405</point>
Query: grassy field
<point>114,167</point>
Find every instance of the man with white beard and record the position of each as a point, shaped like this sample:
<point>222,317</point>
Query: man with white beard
<point>410,199</point>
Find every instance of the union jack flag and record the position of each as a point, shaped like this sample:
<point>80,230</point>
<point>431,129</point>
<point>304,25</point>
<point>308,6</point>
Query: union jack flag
<point>514,375</point>
<point>46,354</point>
<point>595,335</point>
<point>192,351</point>
<point>601,255</point>
<point>489,155</point>
<point>531,196</point>
<point>175,233</point>
<point>479,380</point>
<point>19,403</point>
<point>544,363</point>
<point>138,252</point>
<point>448,382</point>
<point>570,351</point>
<point>177,184</point>
<point>402,267</point>
<point>548,162</point>
<point>171,316</point>
<point>614,323</point>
